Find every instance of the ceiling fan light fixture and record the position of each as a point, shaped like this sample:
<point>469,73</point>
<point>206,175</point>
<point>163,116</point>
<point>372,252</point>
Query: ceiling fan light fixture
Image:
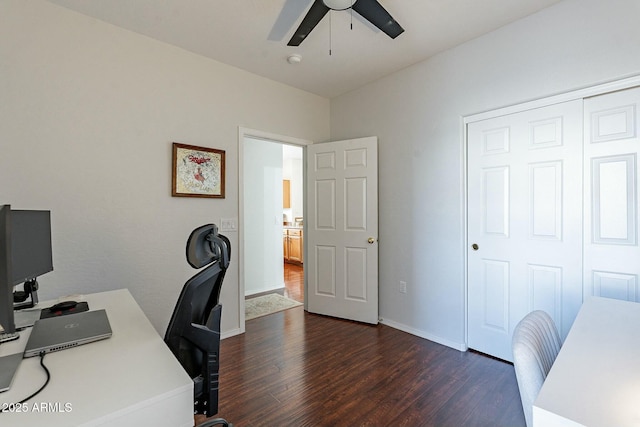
<point>370,10</point>
<point>338,4</point>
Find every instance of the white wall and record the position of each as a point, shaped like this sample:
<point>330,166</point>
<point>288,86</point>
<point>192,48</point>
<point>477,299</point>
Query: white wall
<point>293,171</point>
<point>88,113</point>
<point>417,115</point>
<point>262,182</point>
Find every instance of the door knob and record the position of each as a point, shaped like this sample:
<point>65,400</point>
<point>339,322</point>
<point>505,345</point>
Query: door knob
<point>475,247</point>
<point>371,240</point>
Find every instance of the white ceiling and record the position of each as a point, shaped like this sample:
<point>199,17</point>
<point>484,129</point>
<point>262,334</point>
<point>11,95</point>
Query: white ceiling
<point>253,34</point>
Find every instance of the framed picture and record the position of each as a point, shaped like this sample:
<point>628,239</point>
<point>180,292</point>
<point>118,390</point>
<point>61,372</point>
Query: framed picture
<point>197,172</point>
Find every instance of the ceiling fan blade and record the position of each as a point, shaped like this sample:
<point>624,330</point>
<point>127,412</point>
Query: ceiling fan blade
<point>373,12</point>
<point>316,13</point>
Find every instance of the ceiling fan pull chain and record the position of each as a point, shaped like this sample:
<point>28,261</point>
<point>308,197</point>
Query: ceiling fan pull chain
<point>351,12</point>
<point>330,25</point>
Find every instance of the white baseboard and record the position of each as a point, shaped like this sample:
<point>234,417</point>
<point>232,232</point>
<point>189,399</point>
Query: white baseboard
<point>278,289</point>
<point>231,333</point>
<point>455,345</point>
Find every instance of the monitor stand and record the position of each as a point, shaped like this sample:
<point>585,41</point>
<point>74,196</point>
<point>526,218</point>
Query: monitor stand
<point>30,292</point>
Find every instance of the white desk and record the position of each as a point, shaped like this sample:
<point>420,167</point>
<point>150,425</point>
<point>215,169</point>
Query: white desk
<point>130,379</point>
<point>595,380</point>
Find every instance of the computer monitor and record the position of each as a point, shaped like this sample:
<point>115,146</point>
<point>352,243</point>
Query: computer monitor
<point>30,245</point>
<point>6,276</point>
<point>25,242</point>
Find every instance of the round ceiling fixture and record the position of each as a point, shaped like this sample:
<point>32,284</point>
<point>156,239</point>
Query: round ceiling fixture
<point>294,59</point>
<point>338,4</point>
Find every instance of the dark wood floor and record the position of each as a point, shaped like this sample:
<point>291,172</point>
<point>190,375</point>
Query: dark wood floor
<point>293,368</point>
<point>294,282</point>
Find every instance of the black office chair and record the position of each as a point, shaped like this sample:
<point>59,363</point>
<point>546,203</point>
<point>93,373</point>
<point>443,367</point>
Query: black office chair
<point>193,334</point>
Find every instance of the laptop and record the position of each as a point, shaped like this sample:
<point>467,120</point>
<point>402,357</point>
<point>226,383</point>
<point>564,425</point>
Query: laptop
<point>8,367</point>
<point>63,332</point>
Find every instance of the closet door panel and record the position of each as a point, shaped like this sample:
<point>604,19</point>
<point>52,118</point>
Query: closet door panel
<point>611,145</point>
<point>524,222</point>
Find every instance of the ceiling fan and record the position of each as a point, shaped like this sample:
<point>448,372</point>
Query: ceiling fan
<point>370,10</point>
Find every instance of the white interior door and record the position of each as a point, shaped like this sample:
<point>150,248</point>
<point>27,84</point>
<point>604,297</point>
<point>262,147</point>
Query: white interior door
<point>524,222</point>
<point>611,253</point>
<point>342,229</point>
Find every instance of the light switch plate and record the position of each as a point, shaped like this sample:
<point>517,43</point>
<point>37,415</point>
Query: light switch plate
<point>228,224</point>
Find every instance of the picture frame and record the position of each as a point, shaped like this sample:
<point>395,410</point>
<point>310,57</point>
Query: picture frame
<point>197,171</point>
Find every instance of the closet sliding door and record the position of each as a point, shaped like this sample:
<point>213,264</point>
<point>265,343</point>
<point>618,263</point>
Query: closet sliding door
<point>611,252</point>
<point>524,222</point>
<point>553,213</point>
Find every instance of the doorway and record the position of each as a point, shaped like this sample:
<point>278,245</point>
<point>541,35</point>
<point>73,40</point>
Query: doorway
<point>293,221</point>
<point>266,161</point>
<point>344,214</point>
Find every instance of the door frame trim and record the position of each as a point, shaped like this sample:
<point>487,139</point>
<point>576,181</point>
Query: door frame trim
<point>243,133</point>
<point>584,92</point>
<point>580,93</point>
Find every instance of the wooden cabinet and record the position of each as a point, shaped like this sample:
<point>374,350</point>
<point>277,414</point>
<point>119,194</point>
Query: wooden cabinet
<point>286,194</point>
<point>285,244</point>
<point>293,243</point>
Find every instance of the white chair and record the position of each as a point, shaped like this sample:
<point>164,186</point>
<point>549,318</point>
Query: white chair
<point>535,345</point>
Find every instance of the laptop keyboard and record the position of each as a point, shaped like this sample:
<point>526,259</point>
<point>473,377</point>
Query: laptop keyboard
<point>9,336</point>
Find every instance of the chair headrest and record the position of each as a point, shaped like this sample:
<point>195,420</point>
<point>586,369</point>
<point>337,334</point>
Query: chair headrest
<point>206,246</point>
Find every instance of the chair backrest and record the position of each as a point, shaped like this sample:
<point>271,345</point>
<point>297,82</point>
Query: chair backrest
<point>535,344</point>
<point>193,334</point>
